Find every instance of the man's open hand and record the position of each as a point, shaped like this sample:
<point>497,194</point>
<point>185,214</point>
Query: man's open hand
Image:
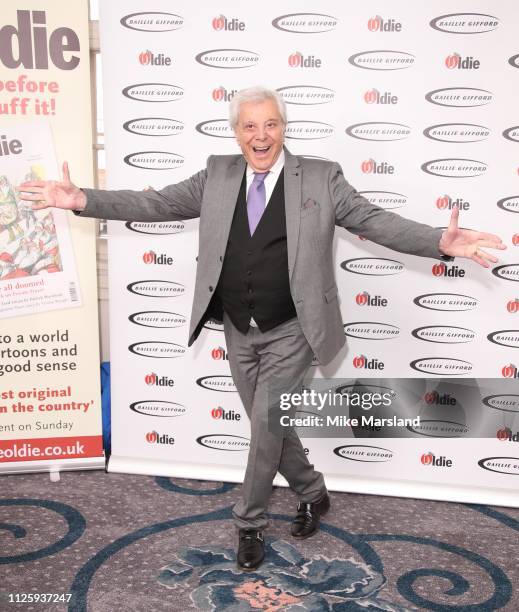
<point>45,194</point>
<point>458,242</point>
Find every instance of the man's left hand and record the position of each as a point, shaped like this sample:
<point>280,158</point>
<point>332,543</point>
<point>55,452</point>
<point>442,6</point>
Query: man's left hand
<point>457,242</point>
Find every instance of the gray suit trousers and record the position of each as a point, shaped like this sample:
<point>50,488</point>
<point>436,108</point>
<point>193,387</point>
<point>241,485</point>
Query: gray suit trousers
<point>255,359</point>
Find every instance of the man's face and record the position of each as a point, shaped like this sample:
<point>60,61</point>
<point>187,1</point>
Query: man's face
<point>260,134</point>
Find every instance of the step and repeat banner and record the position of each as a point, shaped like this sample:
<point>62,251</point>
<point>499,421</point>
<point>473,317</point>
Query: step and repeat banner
<point>417,104</point>
<point>50,410</point>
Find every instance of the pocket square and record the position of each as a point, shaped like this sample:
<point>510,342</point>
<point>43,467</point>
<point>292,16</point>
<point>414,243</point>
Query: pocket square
<point>309,204</point>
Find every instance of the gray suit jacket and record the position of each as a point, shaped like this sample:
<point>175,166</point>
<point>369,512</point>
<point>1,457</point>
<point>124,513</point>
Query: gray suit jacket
<point>317,197</point>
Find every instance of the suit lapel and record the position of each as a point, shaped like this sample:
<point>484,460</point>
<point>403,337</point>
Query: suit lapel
<point>230,197</point>
<point>292,206</point>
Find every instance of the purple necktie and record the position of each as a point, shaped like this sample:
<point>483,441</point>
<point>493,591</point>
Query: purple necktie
<point>256,200</point>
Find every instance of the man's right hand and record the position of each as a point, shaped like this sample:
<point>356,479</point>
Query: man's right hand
<point>45,194</point>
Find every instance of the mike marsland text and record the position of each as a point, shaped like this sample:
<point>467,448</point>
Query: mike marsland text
<point>314,420</point>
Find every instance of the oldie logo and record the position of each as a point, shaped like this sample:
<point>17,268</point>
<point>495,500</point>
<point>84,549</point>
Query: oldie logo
<point>379,131</point>
<point>305,23</point>
<point>446,302</point>
<point>157,350</point>
<point>220,94</point>
<point>506,402</point>
<point>442,366</point>
<point>370,166</point>
<point>510,204</point>
<point>153,437</point>
<point>378,24</point>
<point>385,199</point>
<point>230,25</point>
<point>440,269</point>
<point>383,59</point>
<point>228,58</point>
<point>224,442</point>
<point>505,337</point>
<point>153,92</point>
<point>306,95</point>
<point>455,61</point>
<point>158,408</point>
<point>513,305</point>
<point>365,299</point>
<point>156,288</point>
<point>217,383</point>
<point>455,168</point>
<point>363,362</point>
<point>512,133</point>
<point>149,58</point>
<point>510,371</point>
<point>369,330</point>
<point>501,465</point>
<point>160,228</point>
<point>298,60</point>
<point>308,130</point>
<point>430,459</point>
<point>462,97</point>
<point>154,126</point>
<point>465,23</point>
<point>158,318</point>
<point>508,272</point>
<point>152,22</point>
<point>373,266</point>
<point>373,96</point>
<point>219,128</point>
<point>445,202</point>
<point>364,453</point>
<point>457,132</point>
<point>154,160</point>
<point>444,334</point>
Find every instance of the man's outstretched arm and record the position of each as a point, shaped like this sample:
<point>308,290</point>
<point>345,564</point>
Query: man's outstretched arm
<point>174,202</point>
<point>356,214</point>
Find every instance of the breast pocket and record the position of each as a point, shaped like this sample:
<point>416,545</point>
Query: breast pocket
<point>309,207</point>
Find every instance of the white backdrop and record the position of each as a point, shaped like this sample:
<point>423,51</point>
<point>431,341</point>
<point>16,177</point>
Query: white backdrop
<point>418,105</point>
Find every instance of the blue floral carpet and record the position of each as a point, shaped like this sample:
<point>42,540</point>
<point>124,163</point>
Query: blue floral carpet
<point>110,542</point>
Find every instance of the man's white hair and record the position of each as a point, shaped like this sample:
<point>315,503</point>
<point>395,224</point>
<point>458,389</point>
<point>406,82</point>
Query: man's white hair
<point>255,94</point>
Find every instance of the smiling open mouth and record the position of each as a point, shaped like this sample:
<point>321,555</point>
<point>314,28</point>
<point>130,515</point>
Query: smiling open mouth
<point>261,150</point>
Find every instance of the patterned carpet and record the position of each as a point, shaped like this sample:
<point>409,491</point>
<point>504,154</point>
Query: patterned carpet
<point>140,543</point>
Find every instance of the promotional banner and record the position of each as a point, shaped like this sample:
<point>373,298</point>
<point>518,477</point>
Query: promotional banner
<point>50,410</point>
<point>417,105</point>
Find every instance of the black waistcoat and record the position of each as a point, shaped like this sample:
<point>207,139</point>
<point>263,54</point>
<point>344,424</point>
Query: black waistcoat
<point>254,279</point>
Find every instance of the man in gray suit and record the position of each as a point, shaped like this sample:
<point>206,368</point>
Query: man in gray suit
<point>265,267</point>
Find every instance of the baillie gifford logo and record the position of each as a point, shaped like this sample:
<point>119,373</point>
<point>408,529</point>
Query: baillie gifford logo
<point>148,58</point>
<point>431,459</point>
<point>445,202</point>
<point>374,96</point>
<point>509,371</point>
<point>377,24</point>
<point>150,257</point>
<point>219,354</point>
<point>362,362</point>
<point>370,166</point>
<point>440,269</point>
<point>298,60</point>
<point>153,437</point>
<point>454,61</point>
<point>220,94</point>
<point>222,23</point>
<point>153,380</point>
<point>365,299</point>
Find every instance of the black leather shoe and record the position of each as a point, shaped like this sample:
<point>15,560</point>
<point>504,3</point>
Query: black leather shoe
<point>307,518</point>
<point>250,549</point>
